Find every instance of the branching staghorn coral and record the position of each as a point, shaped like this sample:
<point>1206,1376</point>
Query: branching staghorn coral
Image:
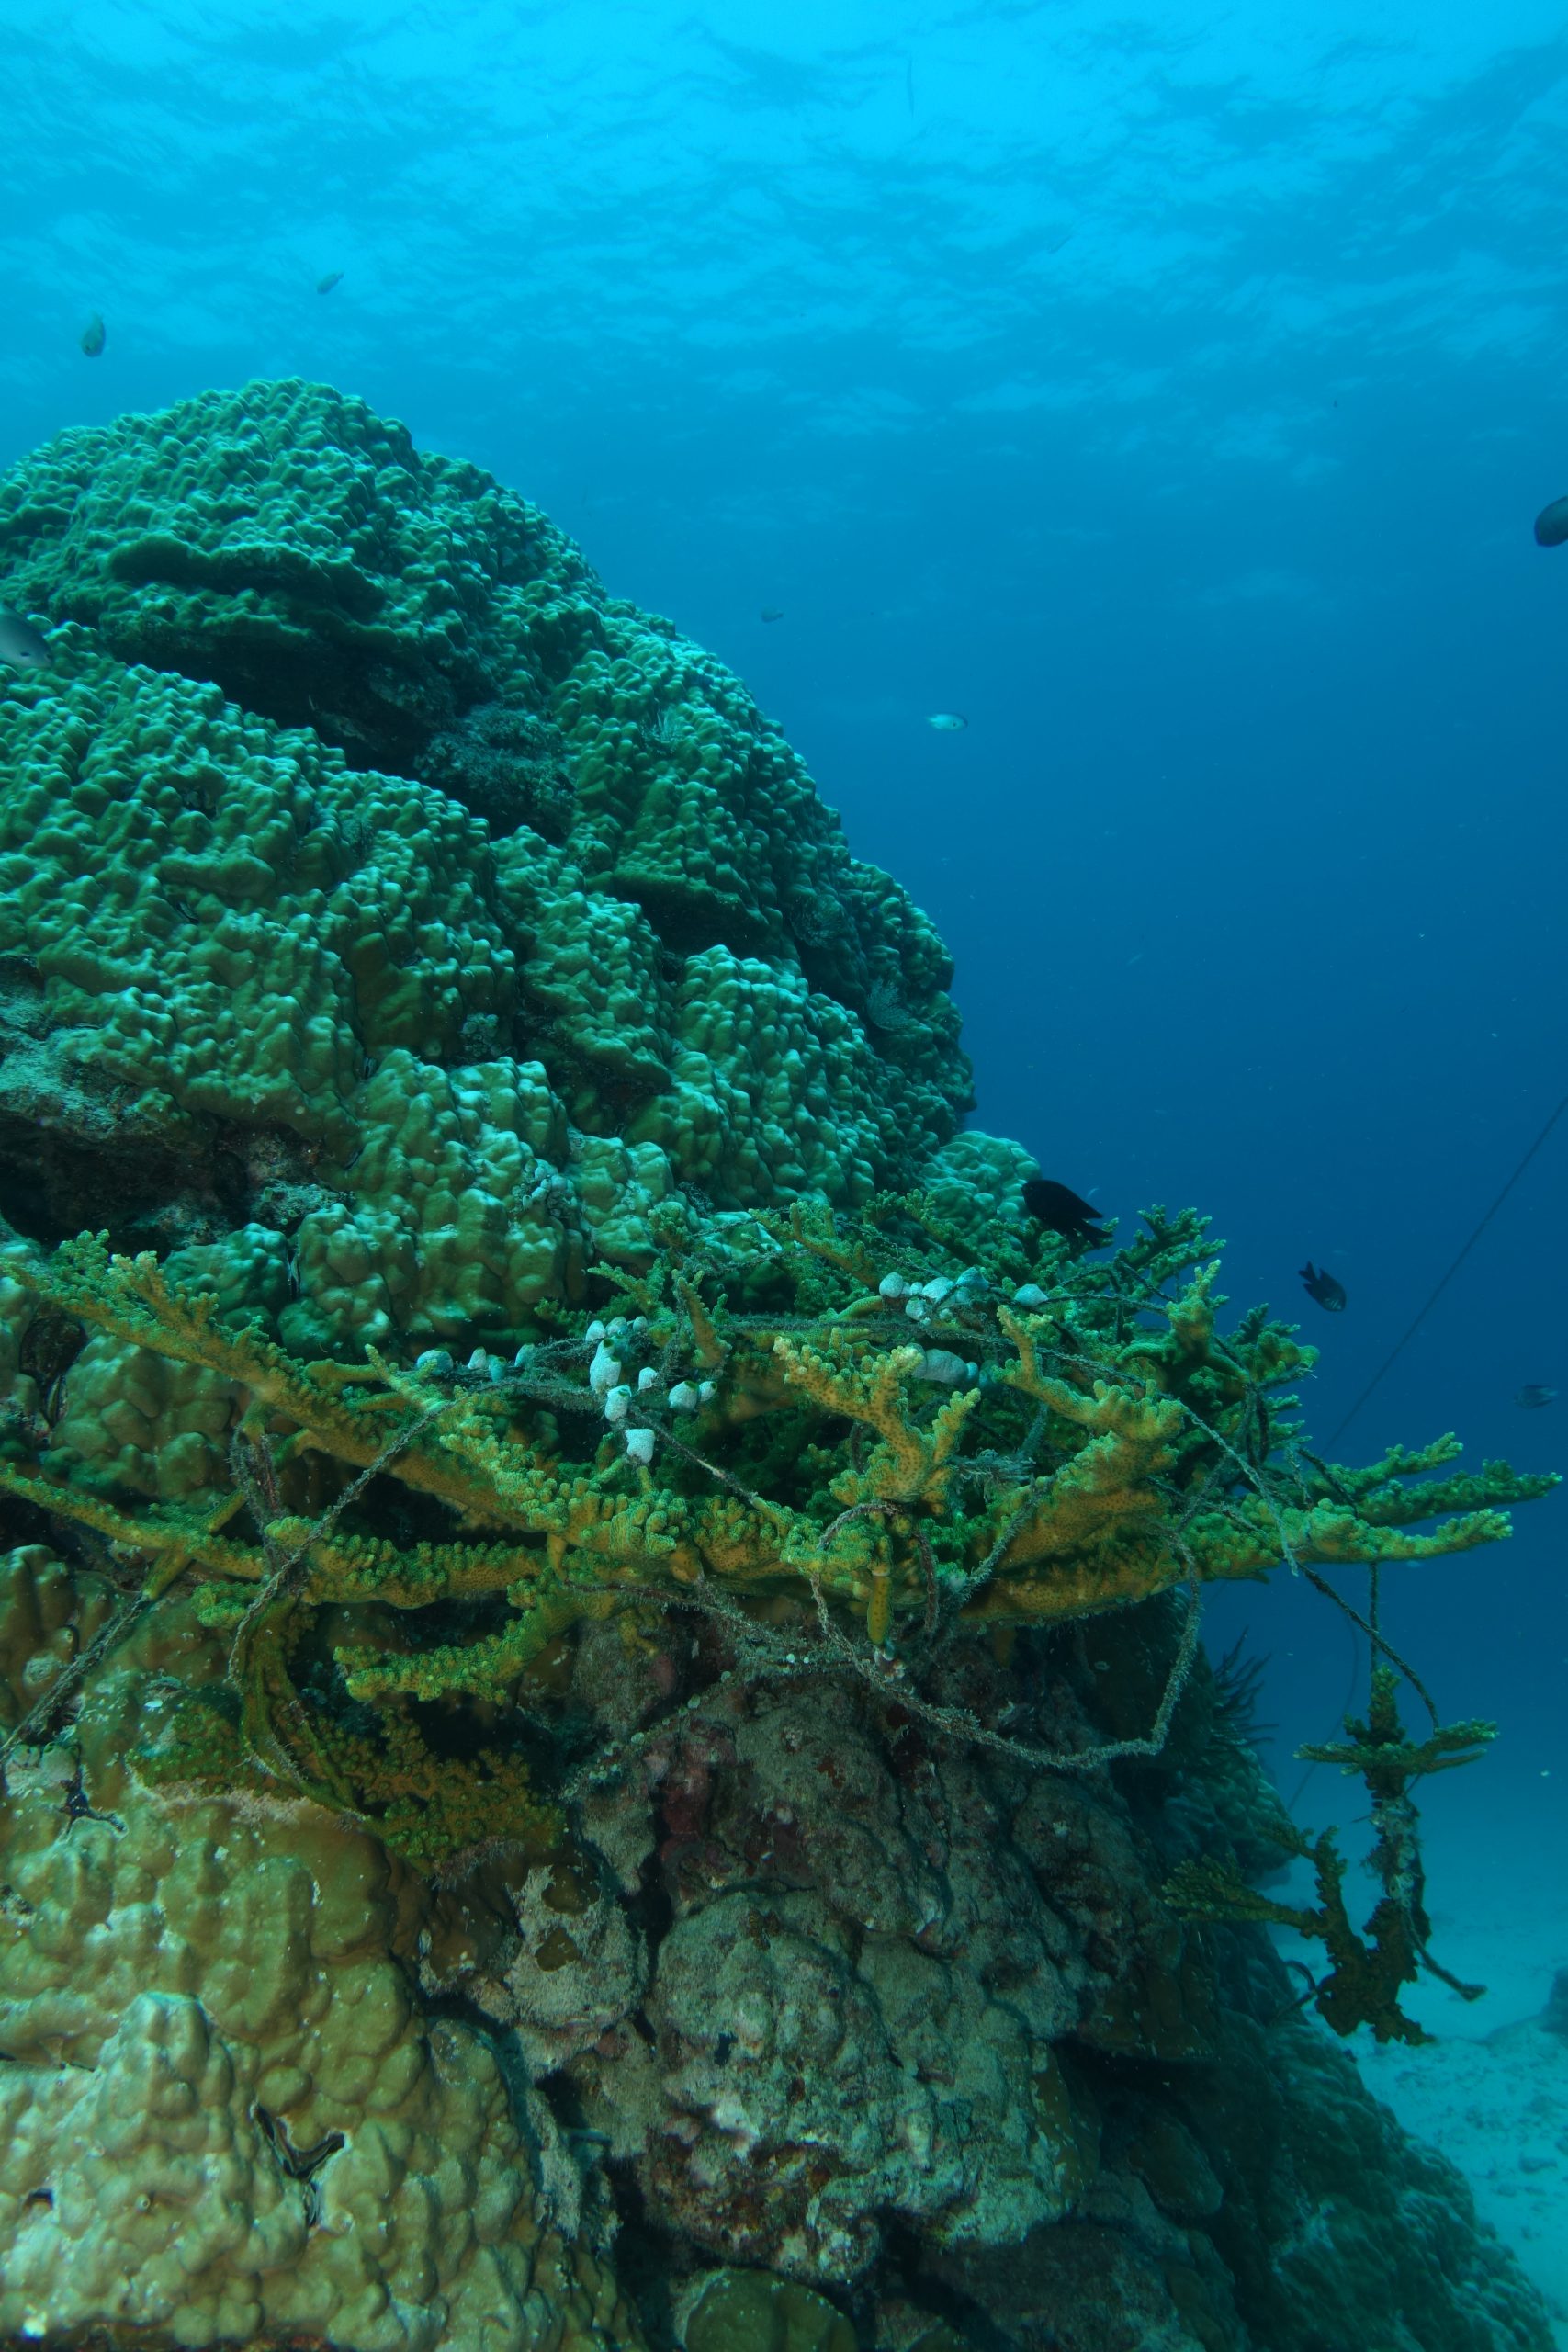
<point>805,1427</point>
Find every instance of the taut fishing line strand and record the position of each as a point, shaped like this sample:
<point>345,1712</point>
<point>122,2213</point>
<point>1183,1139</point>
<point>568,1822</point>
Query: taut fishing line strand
<point>1406,1336</point>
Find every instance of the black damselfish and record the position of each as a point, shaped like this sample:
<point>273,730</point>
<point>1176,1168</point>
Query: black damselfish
<point>1058,1207</point>
<point>1323,1288</point>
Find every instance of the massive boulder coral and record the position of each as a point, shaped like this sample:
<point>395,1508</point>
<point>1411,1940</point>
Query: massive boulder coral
<point>222,2118</point>
<point>288,545</point>
<point>246,984</point>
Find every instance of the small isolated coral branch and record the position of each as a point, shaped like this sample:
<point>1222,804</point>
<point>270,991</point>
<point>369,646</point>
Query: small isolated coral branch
<point>1363,1984</point>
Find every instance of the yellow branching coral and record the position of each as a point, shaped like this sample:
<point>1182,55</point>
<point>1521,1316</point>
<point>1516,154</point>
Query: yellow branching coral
<point>909,1456</point>
<point>846,1375</point>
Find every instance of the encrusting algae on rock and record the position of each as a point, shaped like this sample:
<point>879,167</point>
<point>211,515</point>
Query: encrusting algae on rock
<point>600,1665</point>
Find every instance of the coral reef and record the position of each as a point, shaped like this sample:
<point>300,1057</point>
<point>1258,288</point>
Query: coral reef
<point>602,1708</point>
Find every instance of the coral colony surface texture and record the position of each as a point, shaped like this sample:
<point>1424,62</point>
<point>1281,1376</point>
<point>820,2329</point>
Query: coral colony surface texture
<point>605,1735</point>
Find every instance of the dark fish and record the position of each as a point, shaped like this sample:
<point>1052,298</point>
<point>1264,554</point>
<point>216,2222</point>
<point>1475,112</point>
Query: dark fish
<point>1059,1209</point>
<point>771,613</point>
<point>333,278</point>
<point>1534,1395</point>
<point>94,335</point>
<point>1323,1288</point>
<point>1551,524</point>
<point>24,647</point>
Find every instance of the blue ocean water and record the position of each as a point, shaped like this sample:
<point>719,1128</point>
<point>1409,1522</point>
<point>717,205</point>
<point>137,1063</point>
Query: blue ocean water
<point>1169,391</point>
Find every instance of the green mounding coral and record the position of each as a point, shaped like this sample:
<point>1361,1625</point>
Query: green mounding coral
<point>800,1426</point>
<point>424,622</point>
<point>242,983</point>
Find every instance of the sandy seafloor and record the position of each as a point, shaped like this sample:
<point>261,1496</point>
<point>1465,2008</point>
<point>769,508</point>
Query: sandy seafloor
<point>1491,2088</point>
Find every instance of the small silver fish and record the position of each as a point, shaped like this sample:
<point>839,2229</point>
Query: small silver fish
<point>24,647</point>
<point>1534,1395</point>
<point>94,335</point>
<point>947,722</point>
<point>333,278</point>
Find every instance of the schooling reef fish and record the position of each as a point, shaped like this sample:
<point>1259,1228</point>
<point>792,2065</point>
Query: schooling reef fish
<point>94,335</point>
<point>947,722</point>
<point>1551,524</point>
<point>24,647</point>
<point>333,278</point>
<point>1059,1209</point>
<point>1534,1395</point>
<point>1323,1288</point>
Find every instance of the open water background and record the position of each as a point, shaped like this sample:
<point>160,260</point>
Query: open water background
<point>1169,389</point>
